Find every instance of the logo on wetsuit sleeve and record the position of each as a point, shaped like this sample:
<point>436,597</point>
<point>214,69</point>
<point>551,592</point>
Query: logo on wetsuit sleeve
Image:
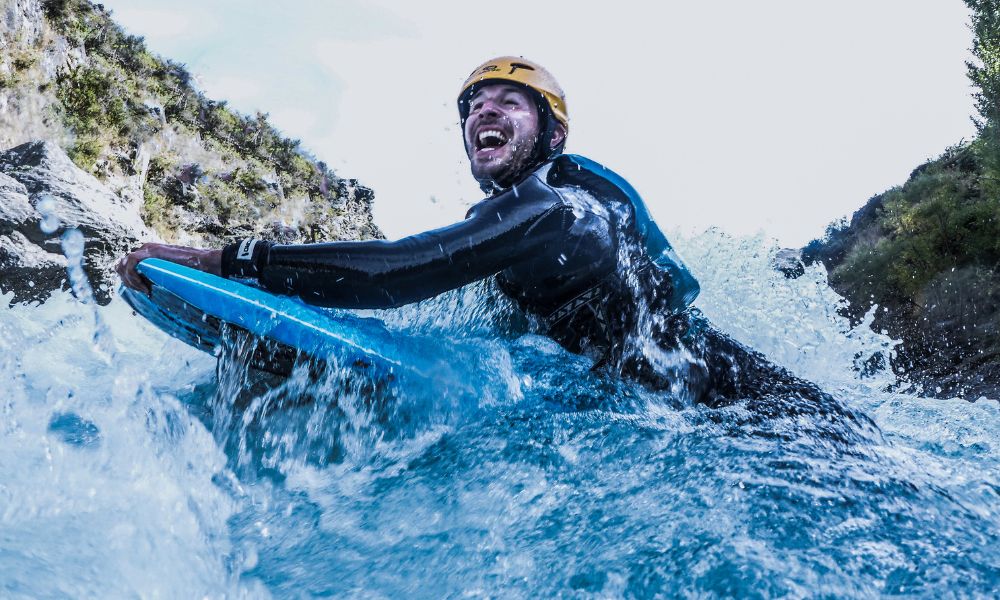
<point>245,251</point>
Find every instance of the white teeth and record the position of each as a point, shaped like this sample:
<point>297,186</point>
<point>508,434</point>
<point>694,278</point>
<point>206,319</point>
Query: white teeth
<point>492,133</point>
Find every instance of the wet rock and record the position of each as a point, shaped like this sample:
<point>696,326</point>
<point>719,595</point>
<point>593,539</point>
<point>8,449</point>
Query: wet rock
<point>39,175</point>
<point>953,334</point>
<point>28,270</point>
<point>15,209</point>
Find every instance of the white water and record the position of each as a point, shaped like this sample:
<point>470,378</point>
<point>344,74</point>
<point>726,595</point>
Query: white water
<point>110,486</point>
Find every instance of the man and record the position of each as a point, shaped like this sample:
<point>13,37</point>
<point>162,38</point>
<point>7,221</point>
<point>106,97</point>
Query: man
<point>571,242</point>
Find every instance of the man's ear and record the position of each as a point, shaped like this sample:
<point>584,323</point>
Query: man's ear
<point>558,135</point>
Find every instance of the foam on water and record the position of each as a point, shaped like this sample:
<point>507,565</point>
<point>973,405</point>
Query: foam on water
<point>128,470</point>
<point>106,483</point>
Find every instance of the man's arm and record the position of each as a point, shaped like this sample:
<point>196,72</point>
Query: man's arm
<point>376,274</point>
<point>379,274</point>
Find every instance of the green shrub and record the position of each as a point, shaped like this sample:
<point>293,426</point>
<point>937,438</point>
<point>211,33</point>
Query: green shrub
<point>57,10</point>
<point>86,151</point>
<point>248,182</point>
<point>91,101</point>
<point>939,221</point>
<point>24,61</point>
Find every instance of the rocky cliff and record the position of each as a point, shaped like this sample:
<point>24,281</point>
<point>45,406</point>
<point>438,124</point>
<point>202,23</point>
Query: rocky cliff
<point>121,144</point>
<point>927,253</point>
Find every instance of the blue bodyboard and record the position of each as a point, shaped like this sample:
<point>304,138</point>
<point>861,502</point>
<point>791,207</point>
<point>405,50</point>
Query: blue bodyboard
<point>194,307</point>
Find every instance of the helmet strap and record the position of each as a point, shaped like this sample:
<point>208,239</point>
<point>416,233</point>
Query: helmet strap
<point>543,147</point>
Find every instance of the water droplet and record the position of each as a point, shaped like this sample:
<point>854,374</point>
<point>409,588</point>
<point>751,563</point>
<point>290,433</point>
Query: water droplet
<point>50,220</point>
<point>72,245</point>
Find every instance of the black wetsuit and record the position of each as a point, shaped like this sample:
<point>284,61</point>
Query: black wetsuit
<point>574,246</point>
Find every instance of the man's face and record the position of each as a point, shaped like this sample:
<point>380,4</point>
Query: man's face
<point>501,132</point>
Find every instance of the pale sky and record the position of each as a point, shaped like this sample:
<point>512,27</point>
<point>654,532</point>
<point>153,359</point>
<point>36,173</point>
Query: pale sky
<point>776,116</point>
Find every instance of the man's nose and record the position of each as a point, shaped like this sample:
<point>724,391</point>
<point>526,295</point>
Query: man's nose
<point>490,108</point>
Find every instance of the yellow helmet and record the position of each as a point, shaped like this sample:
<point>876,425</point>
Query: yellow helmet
<point>517,70</point>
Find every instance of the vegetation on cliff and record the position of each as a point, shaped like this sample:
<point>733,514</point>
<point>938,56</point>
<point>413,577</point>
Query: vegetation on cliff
<point>203,172</point>
<point>901,240</point>
<point>928,251</point>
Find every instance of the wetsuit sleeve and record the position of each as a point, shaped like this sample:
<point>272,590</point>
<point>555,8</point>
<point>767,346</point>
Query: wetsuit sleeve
<point>498,233</point>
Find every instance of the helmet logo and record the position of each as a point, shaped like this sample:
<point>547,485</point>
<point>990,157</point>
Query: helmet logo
<point>496,68</point>
<point>486,69</point>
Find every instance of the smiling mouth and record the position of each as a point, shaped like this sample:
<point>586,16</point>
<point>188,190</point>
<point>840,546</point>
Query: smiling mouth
<point>491,139</point>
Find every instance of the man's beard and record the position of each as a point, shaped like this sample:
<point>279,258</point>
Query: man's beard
<point>510,172</point>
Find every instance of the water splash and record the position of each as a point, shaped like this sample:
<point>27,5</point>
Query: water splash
<point>796,322</point>
<point>550,480</point>
<point>107,483</point>
<point>73,244</point>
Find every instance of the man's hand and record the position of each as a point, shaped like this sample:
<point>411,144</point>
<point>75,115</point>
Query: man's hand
<point>209,261</point>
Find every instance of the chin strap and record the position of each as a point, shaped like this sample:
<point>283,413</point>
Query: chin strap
<point>543,148</point>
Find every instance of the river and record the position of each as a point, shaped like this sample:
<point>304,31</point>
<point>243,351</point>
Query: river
<point>128,468</point>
